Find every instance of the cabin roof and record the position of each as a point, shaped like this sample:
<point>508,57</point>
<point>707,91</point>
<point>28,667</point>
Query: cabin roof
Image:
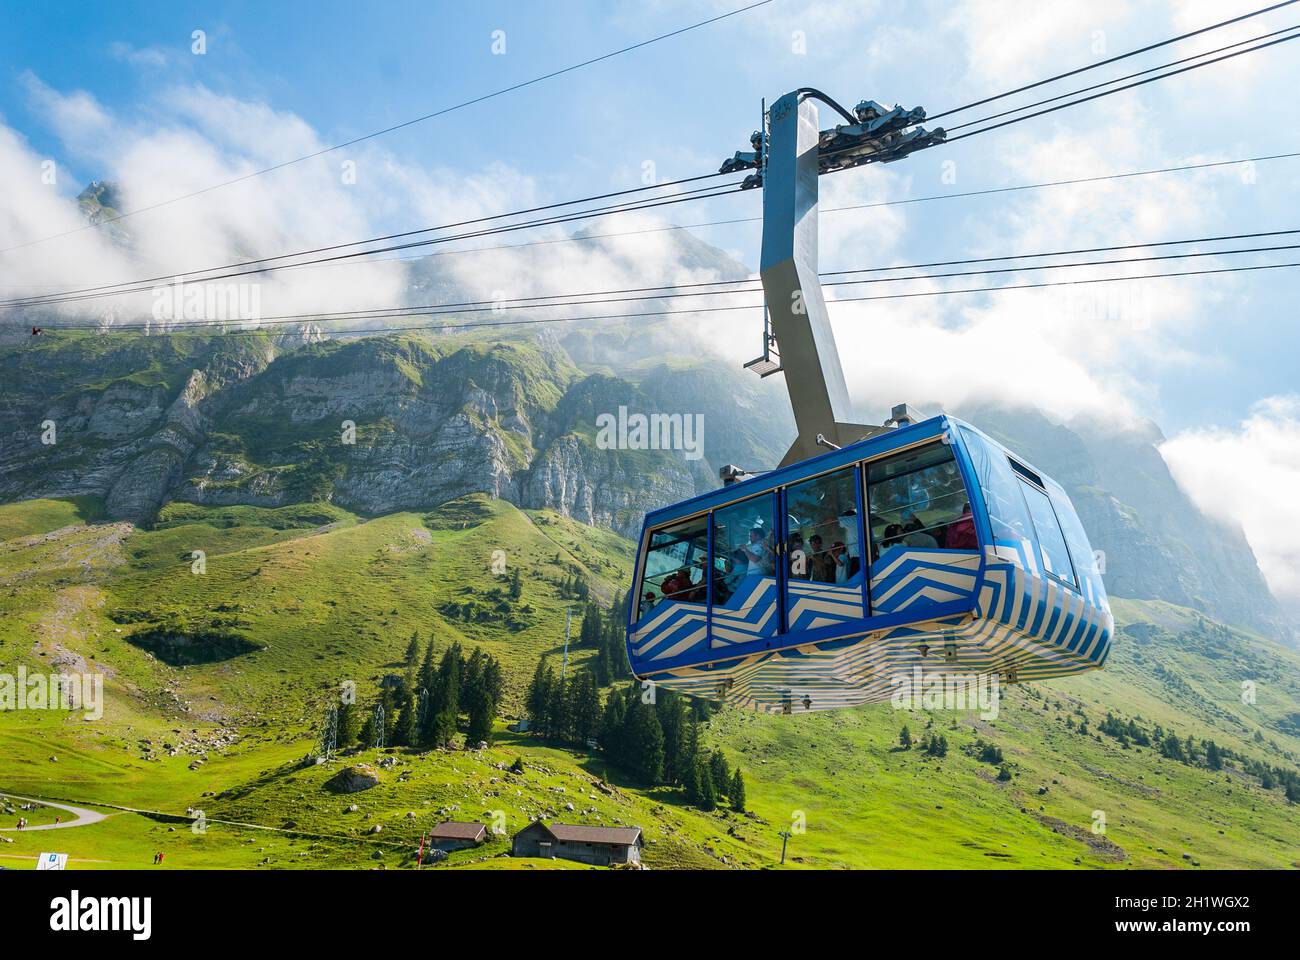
<point>458,830</point>
<point>577,833</point>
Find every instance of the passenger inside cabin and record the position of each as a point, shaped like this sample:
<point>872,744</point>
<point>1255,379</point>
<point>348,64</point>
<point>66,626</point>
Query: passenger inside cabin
<point>845,566</point>
<point>758,553</point>
<point>821,563</point>
<point>798,558</point>
<point>961,532</point>
<point>915,535</point>
<point>677,585</point>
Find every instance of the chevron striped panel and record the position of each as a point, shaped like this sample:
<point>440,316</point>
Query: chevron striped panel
<point>1025,626</point>
<point>814,605</point>
<point>904,576</point>
<point>750,614</point>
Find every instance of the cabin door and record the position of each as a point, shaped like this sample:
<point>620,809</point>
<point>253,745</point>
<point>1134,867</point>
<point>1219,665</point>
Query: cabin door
<point>744,604</point>
<point>822,556</point>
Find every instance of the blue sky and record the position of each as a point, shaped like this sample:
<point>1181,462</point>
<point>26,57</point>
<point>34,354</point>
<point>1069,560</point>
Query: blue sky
<point>113,90</point>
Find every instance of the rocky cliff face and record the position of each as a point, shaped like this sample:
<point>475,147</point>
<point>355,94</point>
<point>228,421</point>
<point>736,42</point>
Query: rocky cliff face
<point>376,425</point>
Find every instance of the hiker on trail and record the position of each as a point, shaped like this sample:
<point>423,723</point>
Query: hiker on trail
<point>57,819</point>
<point>160,857</point>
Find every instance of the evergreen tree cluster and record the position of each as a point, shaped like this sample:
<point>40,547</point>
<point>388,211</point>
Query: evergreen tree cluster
<point>575,587</point>
<point>424,706</point>
<point>605,631</point>
<point>934,745</point>
<point>657,743</point>
<point>1195,753</point>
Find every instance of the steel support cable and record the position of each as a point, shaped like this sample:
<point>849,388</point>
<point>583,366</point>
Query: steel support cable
<point>147,286</point>
<point>162,278</point>
<point>601,297</point>
<point>1114,59</point>
<point>452,327</point>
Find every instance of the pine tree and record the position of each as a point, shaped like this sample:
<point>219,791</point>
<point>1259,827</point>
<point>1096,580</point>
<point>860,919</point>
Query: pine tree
<point>516,585</point>
<point>428,684</point>
<point>1213,756</point>
<point>349,725</point>
<point>688,760</point>
<point>558,724</point>
<point>645,741</point>
<point>737,792</point>
<point>669,707</point>
<point>479,703</point>
<point>905,738</point>
<point>388,700</point>
<point>589,632</point>
<point>719,772</point>
<point>368,731</point>
<point>412,654</point>
<point>584,710</point>
<point>611,728</point>
<point>538,699</point>
<point>407,732</point>
<point>706,797</point>
<point>444,698</point>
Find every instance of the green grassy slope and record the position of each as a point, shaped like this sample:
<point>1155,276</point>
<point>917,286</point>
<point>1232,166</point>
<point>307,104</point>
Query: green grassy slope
<point>322,596</point>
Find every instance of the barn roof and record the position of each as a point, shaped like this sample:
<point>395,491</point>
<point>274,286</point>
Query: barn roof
<point>575,833</point>
<point>457,830</point>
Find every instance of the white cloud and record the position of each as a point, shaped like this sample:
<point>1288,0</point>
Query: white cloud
<point>138,56</point>
<point>1012,42</point>
<point>1069,350</point>
<point>1251,476</point>
<point>194,138</point>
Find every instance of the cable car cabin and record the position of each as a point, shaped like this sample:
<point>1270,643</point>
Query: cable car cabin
<point>774,594</point>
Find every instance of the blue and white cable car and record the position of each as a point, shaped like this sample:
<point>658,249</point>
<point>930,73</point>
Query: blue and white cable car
<point>812,587</point>
<point>908,546</point>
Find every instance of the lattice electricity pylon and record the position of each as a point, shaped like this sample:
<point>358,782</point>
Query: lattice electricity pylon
<point>329,736</point>
<point>379,726</point>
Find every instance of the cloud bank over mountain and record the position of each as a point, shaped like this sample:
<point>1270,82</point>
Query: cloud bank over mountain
<point>1251,476</point>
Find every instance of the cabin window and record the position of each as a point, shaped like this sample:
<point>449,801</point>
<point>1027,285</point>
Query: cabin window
<point>1007,511</point>
<point>1085,561</point>
<point>918,499</point>
<point>1053,554</point>
<point>675,565</point>
<point>822,529</point>
<point>743,546</point>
